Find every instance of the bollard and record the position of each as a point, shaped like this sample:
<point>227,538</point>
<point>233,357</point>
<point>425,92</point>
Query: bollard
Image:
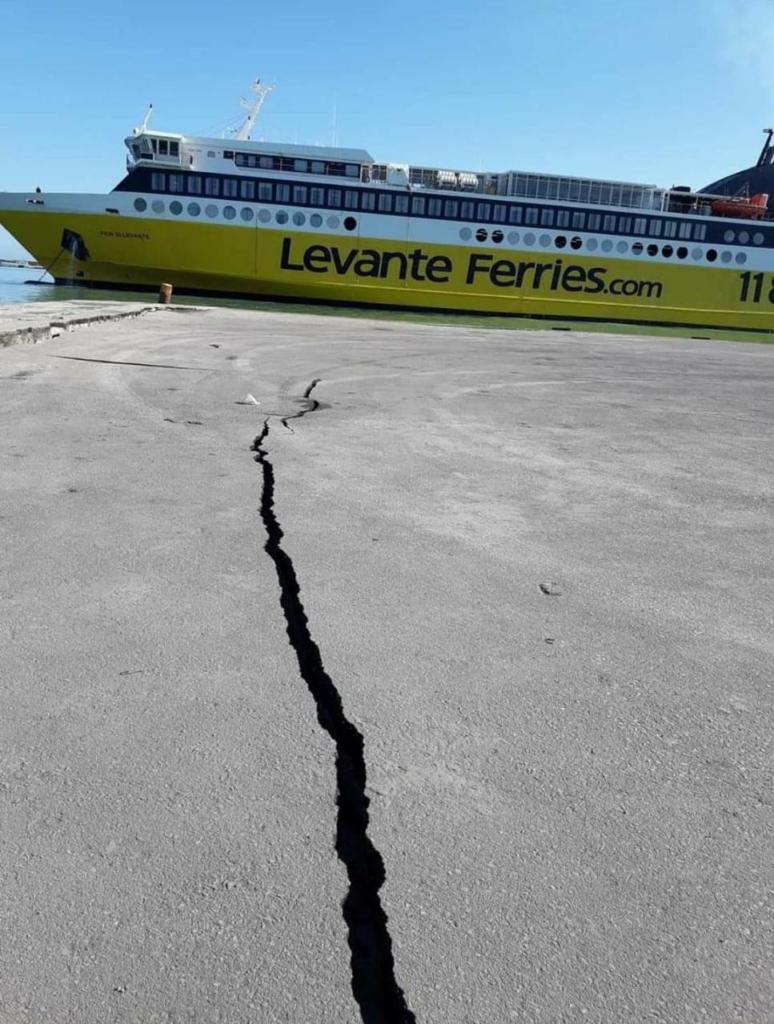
<point>165,294</point>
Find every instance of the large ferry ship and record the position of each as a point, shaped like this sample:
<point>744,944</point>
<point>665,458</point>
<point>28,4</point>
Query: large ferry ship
<point>234,217</point>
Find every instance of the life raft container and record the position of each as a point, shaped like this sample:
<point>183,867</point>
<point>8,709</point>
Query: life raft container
<point>735,206</point>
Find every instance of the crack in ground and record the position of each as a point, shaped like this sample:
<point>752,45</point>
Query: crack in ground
<point>378,995</point>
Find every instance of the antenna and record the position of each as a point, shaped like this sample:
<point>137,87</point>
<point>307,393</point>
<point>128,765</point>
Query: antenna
<point>244,131</point>
<point>142,127</point>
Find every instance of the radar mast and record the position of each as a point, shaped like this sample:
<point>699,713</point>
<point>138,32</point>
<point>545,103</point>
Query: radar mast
<point>252,107</point>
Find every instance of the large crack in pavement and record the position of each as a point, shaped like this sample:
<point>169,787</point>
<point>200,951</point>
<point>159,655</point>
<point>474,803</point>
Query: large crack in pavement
<point>378,995</point>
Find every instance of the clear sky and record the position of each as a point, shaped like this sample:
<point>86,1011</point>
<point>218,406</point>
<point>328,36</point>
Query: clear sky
<point>657,91</point>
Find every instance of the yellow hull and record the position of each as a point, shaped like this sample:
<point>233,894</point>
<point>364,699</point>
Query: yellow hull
<point>261,262</point>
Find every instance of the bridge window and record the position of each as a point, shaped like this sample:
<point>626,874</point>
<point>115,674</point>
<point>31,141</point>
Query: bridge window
<point>163,147</point>
<point>174,149</point>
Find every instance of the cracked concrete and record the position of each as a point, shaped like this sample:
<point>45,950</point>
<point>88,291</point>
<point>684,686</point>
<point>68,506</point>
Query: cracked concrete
<point>570,791</point>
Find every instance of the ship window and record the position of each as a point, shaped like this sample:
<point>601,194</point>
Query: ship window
<point>434,207</point>
<point>176,183</point>
<point>401,204</point>
<point>367,201</point>
<point>640,225</point>
<point>334,198</point>
<point>466,210</point>
<point>562,218</point>
<point>194,209</point>
<point>265,192</point>
<point>299,219</point>
<point>514,215</point>
<point>578,221</point>
<point>418,206</point>
<point>163,147</point>
<point>318,167</point>
<point>385,202</point>
<point>282,193</point>
<point>210,152</point>
<point>229,188</point>
<point>547,218</point>
<point>450,208</point>
<point>266,162</point>
<point>624,225</point>
<point>299,195</point>
<point>194,185</point>
<point>685,229</point>
<point>301,166</point>
<point>158,182</point>
<point>670,229</point>
<point>176,207</point>
<point>757,237</point>
<point>317,196</point>
<point>532,215</point>
<point>246,213</point>
<point>595,221</point>
<point>281,217</point>
<point>246,189</point>
<point>315,220</point>
<point>351,170</point>
<point>699,232</point>
<point>350,200</point>
<point>140,205</point>
<point>154,145</point>
<point>609,224</point>
<point>498,213</point>
<point>654,228</point>
<point>212,186</point>
<point>483,211</point>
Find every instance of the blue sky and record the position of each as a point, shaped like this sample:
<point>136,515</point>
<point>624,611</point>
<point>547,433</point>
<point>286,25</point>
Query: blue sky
<point>656,91</point>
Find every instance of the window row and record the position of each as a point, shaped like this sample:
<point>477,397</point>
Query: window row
<point>369,201</point>
<point>297,165</point>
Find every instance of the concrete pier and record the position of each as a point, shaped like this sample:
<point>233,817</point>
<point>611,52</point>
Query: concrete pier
<point>532,570</point>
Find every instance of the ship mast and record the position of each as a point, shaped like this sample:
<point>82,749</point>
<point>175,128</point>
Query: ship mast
<point>252,107</point>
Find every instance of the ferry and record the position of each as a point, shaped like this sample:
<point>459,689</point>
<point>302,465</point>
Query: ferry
<point>261,220</point>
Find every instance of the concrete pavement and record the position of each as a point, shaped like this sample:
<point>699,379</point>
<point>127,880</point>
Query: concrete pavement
<point>537,570</point>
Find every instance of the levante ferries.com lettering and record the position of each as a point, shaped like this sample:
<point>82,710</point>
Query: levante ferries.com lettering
<point>417,265</point>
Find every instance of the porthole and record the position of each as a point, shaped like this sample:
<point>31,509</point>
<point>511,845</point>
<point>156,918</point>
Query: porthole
<point>157,206</point>
<point>712,255</point>
<point>211,210</point>
<point>264,216</point>
<point>741,257</point>
<point>513,238</point>
<point>176,207</point>
<point>682,252</point>
<point>667,251</point>
<point>350,223</point>
<point>194,209</point>
<point>315,220</point>
<point>622,246</point>
<point>281,217</point>
<point>229,212</point>
<point>246,214</point>
<point>482,235</point>
<point>758,238</point>
<point>726,256</point>
<point>744,237</point>
<point>591,244</point>
<point>728,236</point>
<point>545,241</point>
<point>497,236</point>
<point>637,248</point>
<point>299,218</point>
<point>576,243</point>
<point>652,249</point>
<point>465,234</point>
<point>560,241</point>
<point>529,238</point>
<point>696,254</point>
<point>607,245</point>
<point>140,205</point>
<point>333,221</point>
